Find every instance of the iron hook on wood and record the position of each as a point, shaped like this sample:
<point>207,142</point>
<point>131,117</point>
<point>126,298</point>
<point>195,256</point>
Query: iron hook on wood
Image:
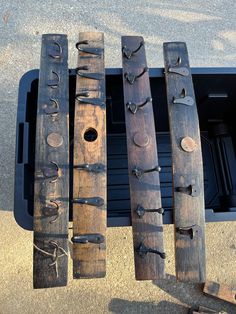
<point>142,250</point>
<point>183,99</point>
<point>140,210</point>
<point>135,107</point>
<point>51,109</point>
<point>96,168</point>
<point>51,172</point>
<point>55,82</point>
<point>138,172</point>
<point>192,190</point>
<point>89,50</point>
<point>192,231</point>
<point>51,210</point>
<point>96,238</point>
<point>92,201</point>
<point>131,78</point>
<point>128,53</point>
<point>56,55</point>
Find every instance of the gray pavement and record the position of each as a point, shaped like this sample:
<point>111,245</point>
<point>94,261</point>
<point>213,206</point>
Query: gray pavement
<point>209,29</point>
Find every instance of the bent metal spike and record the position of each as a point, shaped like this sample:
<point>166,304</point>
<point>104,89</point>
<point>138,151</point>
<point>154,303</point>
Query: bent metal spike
<point>89,172</point>
<point>51,186</point>
<point>145,194</point>
<point>187,167</point>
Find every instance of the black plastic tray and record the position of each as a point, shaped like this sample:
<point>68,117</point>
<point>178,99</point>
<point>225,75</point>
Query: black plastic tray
<point>216,97</point>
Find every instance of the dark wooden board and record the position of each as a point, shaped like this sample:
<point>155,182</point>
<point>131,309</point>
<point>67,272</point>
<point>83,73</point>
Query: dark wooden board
<point>89,259</point>
<point>220,291</point>
<point>51,198</point>
<point>203,309</point>
<point>142,153</point>
<point>187,166</point>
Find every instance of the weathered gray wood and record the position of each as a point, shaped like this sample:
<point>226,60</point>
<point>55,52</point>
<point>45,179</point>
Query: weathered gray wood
<point>51,187</point>
<point>220,291</point>
<point>187,165</point>
<point>89,259</point>
<point>142,153</point>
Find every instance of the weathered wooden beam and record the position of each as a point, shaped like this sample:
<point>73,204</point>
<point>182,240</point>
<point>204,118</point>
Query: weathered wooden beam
<point>187,168</point>
<point>146,207</point>
<point>220,291</point>
<point>90,161</point>
<point>203,309</point>
<point>51,187</point>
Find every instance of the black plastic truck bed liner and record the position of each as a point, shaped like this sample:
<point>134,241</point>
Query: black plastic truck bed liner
<point>216,99</point>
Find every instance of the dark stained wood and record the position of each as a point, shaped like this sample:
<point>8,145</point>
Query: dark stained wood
<point>89,260</point>
<point>51,198</point>
<point>186,166</point>
<point>142,153</point>
<point>220,291</point>
<point>203,310</point>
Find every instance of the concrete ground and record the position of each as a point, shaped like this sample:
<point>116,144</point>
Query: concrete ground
<point>209,28</point>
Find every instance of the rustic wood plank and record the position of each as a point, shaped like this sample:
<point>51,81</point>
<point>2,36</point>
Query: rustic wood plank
<point>220,291</point>
<point>203,309</point>
<point>89,259</point>
<point>51,197</point>
<point>187,168</point>
<point>142,154</point>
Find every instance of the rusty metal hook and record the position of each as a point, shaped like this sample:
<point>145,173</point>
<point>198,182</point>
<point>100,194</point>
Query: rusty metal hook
<point>131,78</point>
<point>128,53</point>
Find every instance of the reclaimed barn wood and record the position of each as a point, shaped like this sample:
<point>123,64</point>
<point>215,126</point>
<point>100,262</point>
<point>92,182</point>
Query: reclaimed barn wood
<point>187,168</point>
<point>51,187</point>
<point>145,195</point>
<point>90,183</point>
<point>220,291</point>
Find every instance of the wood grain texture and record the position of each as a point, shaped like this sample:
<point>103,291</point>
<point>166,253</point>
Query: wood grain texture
<point>220,291</point>
<point>187,168</point>
<point>142,153</point>
<point>50,224</point>
<point>89,260</point>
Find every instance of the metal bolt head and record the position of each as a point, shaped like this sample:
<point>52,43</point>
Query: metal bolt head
<point>141,139</point>
<point>188,144</point>
<point>54,140</point>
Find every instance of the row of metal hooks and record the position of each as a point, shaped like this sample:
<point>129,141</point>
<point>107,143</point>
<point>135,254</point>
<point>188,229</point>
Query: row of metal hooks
<point>192,189</point>
<point>131,78</point>
<point>182,98</point>
<point>51,172</point>
<point>96,168</point>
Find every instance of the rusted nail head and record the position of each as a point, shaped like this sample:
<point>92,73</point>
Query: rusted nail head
<point>141,139</point>
<point>55,140</point>
<point>188,144</point>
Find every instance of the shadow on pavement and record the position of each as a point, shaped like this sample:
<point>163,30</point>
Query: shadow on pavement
<point>191,294</point>
<point>125,306</point>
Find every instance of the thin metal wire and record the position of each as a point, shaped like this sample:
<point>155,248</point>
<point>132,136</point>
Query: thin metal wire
<point>54,255</point>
